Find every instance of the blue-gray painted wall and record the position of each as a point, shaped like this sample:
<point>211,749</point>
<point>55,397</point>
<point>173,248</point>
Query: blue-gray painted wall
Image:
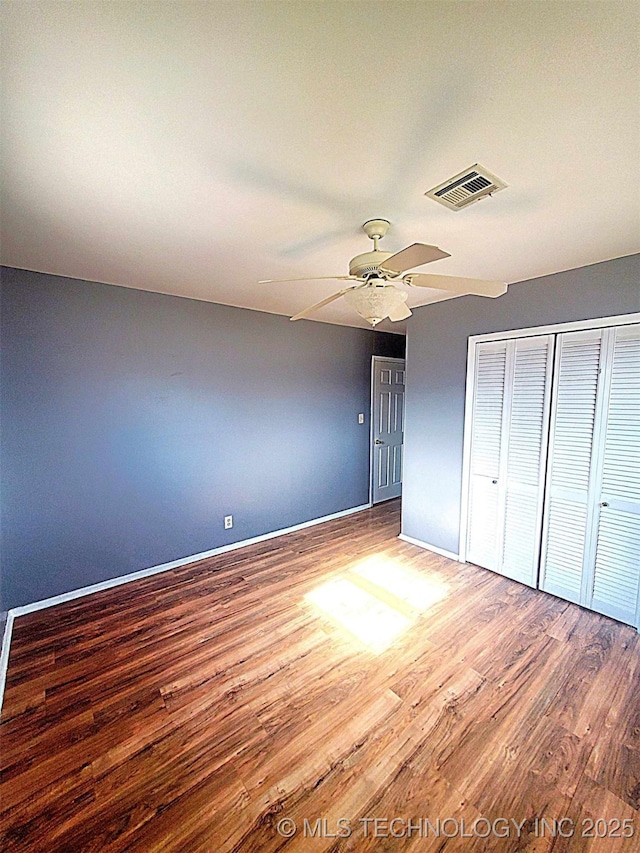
<point>437,338</point>
<point>132,422</point>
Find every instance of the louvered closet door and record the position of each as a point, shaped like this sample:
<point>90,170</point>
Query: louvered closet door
<point>591,550</point>
<point>486,440</point>
<point>578,387</point>
<point>527,420</point>
<point>616,574</point>
<point>508,448</point>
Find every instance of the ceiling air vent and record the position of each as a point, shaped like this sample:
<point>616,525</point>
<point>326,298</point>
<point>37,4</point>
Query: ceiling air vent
<point>467,187</point>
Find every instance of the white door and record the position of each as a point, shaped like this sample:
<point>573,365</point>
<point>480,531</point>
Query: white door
<point>510,418</point>
<point>592,520</point>
<point>387,428</point>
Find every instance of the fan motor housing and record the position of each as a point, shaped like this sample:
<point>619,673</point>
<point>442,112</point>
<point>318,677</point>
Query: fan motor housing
<point>367,263</point>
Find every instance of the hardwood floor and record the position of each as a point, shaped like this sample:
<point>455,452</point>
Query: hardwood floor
<point>198,709</point>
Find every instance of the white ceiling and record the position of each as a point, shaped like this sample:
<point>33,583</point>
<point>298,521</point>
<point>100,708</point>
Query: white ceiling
<point>194,148</point>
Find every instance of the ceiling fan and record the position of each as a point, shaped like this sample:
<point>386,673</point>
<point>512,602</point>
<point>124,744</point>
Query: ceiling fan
<point>375,295</point>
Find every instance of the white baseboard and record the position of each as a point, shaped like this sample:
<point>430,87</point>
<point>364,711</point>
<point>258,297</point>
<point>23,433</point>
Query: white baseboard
<point>441,551</point>
<point>4,657</point>
<point>145,573</point>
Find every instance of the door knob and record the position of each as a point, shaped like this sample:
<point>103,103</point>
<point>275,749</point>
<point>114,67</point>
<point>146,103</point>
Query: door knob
<point>378,441</point>
<point>494,482</point>
<point>604,503</point>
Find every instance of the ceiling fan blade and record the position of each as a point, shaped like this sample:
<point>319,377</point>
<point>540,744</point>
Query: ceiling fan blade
<point>400,312</point>
<point>310,278</point>
<point>307,311</point>
<point>413,256</point>
<point>458,286</point>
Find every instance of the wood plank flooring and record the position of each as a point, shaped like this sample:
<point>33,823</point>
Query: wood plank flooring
<point>198,709</point>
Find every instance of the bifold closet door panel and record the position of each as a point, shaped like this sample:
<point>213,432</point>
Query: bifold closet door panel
<point>486,440</point>
<point>508,449</point>
<point>578,386</point>
<point>525,457</point>
<point>616,574</point>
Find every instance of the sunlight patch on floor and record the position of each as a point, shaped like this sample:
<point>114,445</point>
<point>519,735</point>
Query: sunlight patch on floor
<point>417,590</point>
<point>373,622</point>
<point>377,600</point>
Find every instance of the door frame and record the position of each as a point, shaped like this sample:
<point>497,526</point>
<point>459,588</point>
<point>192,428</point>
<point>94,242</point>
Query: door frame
<point>554,329</point>
<point>374,360</point>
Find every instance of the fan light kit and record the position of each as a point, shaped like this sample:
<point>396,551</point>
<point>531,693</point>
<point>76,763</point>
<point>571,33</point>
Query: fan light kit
<point>377,301</point>
<point>375,295</point>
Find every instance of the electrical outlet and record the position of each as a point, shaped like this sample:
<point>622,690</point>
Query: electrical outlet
<point>228,522</point>
<point>360,418</point>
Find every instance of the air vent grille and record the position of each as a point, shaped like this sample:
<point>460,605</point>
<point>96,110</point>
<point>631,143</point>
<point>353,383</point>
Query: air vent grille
<point>465,188</point>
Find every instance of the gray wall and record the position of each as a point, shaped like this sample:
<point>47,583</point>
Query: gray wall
<point>436,372</point>
<point>132,422</point>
